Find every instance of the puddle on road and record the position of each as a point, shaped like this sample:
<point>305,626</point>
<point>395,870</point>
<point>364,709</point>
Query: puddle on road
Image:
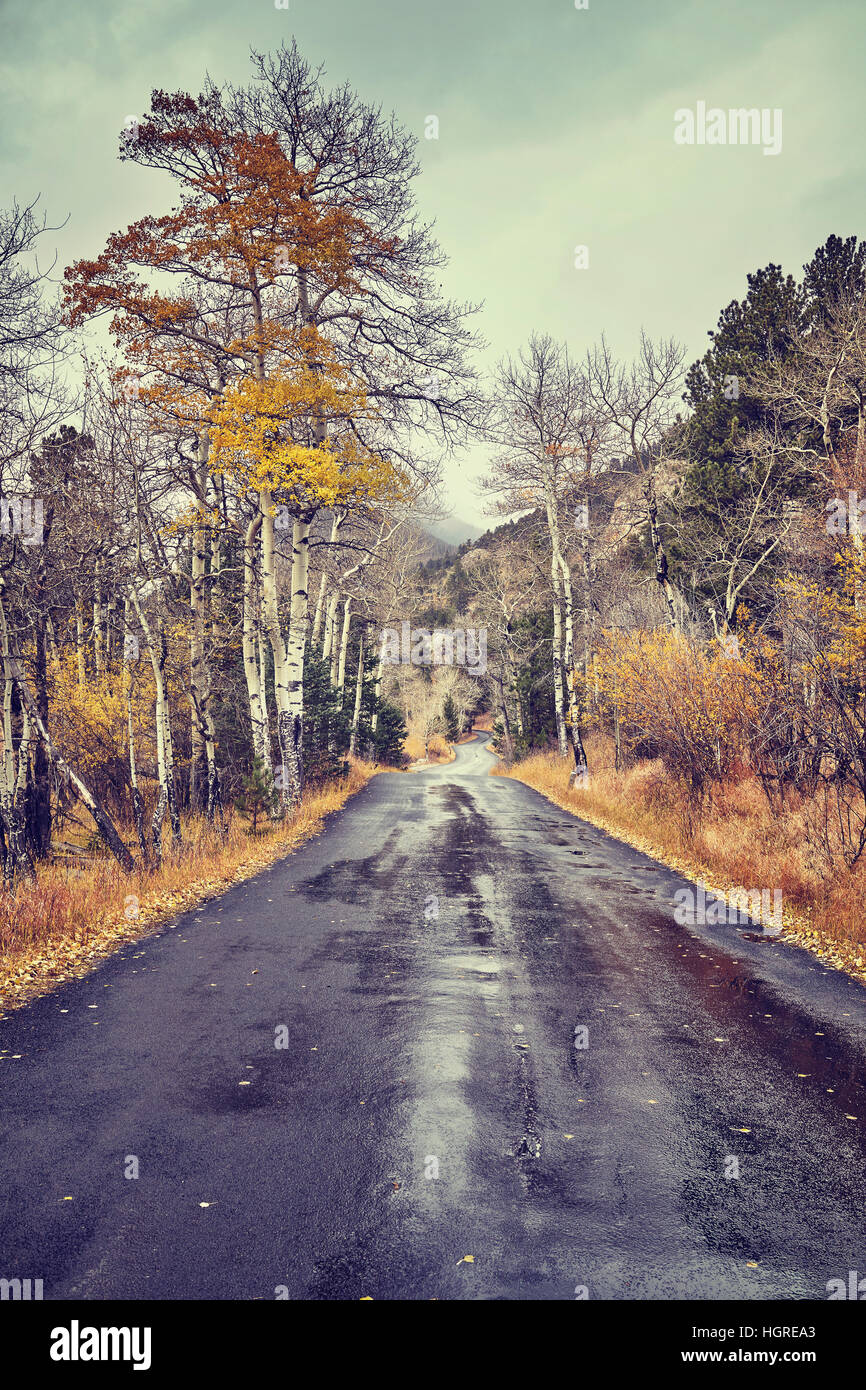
<point>816,1052</point>
<point>482,967</point>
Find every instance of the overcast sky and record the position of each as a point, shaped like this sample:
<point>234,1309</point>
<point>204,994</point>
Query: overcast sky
<point>555,130</point>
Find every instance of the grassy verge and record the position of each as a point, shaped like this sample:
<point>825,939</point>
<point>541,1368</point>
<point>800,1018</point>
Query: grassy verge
<point>738,843</point>
<point>439,749</point>
<point>59,928</point>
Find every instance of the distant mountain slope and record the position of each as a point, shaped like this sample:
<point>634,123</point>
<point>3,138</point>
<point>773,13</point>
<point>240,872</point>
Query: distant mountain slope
<point>453,531</point>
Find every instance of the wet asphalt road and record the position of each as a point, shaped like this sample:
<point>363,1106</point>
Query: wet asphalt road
<point>430,1104</point>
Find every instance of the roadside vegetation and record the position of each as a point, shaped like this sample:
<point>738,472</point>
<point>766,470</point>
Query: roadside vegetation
<point>80,910</point>
<point>674,604</point>
<point>218,444</point>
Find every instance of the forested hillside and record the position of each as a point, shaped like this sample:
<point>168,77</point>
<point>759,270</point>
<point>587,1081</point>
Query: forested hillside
<point>676,604</point>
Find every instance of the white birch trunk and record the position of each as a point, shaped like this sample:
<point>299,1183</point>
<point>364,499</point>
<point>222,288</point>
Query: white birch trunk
<point>252,668</point>
<point>359,690</point>
<point>156,646</point>
<point>344,643</point>
<point>288,655</point>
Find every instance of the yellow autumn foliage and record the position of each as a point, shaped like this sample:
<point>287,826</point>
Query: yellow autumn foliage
<point>675,698</point>
<point>89,721</point>
<point>290,433</point>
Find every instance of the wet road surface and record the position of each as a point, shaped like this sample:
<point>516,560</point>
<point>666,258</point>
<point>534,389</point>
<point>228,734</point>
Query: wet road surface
<point>349,1074</point>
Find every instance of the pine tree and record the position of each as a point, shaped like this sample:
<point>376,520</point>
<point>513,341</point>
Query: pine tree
<point>838,267</point>
<point>387,741</point>
<point>327,726</point>
<point>452,721</point>
<point>257,796</point>
<point>748,331</point>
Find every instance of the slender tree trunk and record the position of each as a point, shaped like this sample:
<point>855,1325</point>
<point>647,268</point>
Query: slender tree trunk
<point>196,664</point>
<point>137,803</point>
<point>17,863</point>
<point>79,641</point>
<point>575,712</point>
<point>288,655</point>
<point>377,688</point>
<point>573,723</point>
<point>359,690</point>
<point>588,612</point>
<point>295,654</point>
<point>558,686</point>
<point>201,683</point>
<point>506,721</point>
<point>319,611</point>
<point>336,522</point>
<point>23,757</point>
<point>344,644</point>
<point>158,810</point>
<point>330,648</point>
<point>251,634</point>
<point>661,559</point>
<point>214,806</point>
<point>167,800</point>
<point>263,686</point>
<point>51,638</point>
<point>328,627</point>
<point>511,685</point>
<point>38,818</point>
<point>97,624</point>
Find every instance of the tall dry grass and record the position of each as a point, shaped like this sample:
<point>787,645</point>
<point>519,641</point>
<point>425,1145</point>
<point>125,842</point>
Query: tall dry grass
<point>73,915</point>
<point>439,750</point>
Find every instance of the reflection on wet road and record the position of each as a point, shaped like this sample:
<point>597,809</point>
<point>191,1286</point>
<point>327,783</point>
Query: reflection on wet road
<point>475,1029</point>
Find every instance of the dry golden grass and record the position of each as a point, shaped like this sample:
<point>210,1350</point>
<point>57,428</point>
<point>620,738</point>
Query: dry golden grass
<point>413,747</point>
<point>440,751</point>
<point>61,926</point>
<point>736,842</point>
